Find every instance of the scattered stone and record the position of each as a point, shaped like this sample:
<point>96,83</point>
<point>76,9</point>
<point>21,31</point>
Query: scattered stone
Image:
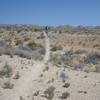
<point>36,93</point>
<point>21,98</point>
<point>66,85</point>
<point>65,95</point>
<point>85,76</point>
<point>46,69</point>
<point>17,76</point>
<point>51,81</point>
<point>8,85</point>
<point>49,93</point>
<point>85,92</point>
<point>41,75</point>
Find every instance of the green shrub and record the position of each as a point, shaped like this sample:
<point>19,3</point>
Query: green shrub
<point>26,39</point>
<point>65,95</point>
<point>66,85</point>
<point>38,30</point>
<point>6,71</point>
<point>49,93</point>
<point>92,58</point>
<point>17,75</point>
<point>67,61</point>
<point>36,93</point>
<point>21,98</point>
<point>2,73</point>
<point>39,57</point>
<point>22,53</point>
<point>32,45</point>
<point>8,85</point>
<point>56,47</point>
<point>18,42</point>
<point>98,33</point>
<point>80,52</point>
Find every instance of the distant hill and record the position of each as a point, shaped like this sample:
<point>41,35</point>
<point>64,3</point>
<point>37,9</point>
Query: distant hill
<point>59,29</point>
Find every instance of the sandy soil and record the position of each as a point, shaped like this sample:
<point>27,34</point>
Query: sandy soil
<point>34,77</point>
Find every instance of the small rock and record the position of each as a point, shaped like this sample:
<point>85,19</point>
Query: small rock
<point>66,85</point>
<point>85,92</point>
<point>85,76</point>
<point>36,93</point>
<point>65,95</point>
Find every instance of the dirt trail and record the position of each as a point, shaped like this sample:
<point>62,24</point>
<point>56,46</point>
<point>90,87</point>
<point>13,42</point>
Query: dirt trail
<point>47,55</point>
<point>24,85</point>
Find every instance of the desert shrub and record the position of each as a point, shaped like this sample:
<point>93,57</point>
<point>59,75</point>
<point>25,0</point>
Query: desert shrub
<point>40,49</point>
<point>51,80</point>
<point>2,73</point>
<point>98,69</point>
<point>26,39</point>
<point>60,31</point>
<point>6,71</point>
<point>46,68</point>
<point>6,51</point>
<point>69,53</point>
<point>92,58</point>
<point>32,46</point>
<point>17,76</point>
<point>19,31</point>
<point>49,93</point>
<point>61,59</point>
<point>85,92</point>
<point>67,58</point>
<point>80,51</point>
<point>38,30</point>
<point>77,66</point>
<point>63,76</point>
<point>21,98</point>
<point>55,58</point>
<point>67,61</point>
<point>9,51</point>
<point>36,93</point>
<point>18,42</point>
<point>8,85</point>
<point>66,85</point>
<point>24,47</point>
<point>56,47</point>
<point>5,48</point>
<point>41,75</point>
<point>25,51</point>
<point>22,53</point>
<point>38,57</point>
<point>70,57</point>
<point>2,51</point>
<point>98,33</point>
<point>3,43</point>
<point>65,95</point>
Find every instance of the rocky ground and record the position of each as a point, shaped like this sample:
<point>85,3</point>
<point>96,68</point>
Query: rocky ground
<point>72,72</point>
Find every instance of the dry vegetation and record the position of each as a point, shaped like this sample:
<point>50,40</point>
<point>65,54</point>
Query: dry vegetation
<point>72,72</point>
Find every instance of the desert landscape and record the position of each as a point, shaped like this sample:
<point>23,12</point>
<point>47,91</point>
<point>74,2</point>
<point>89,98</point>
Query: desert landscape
<point>63,65</point>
